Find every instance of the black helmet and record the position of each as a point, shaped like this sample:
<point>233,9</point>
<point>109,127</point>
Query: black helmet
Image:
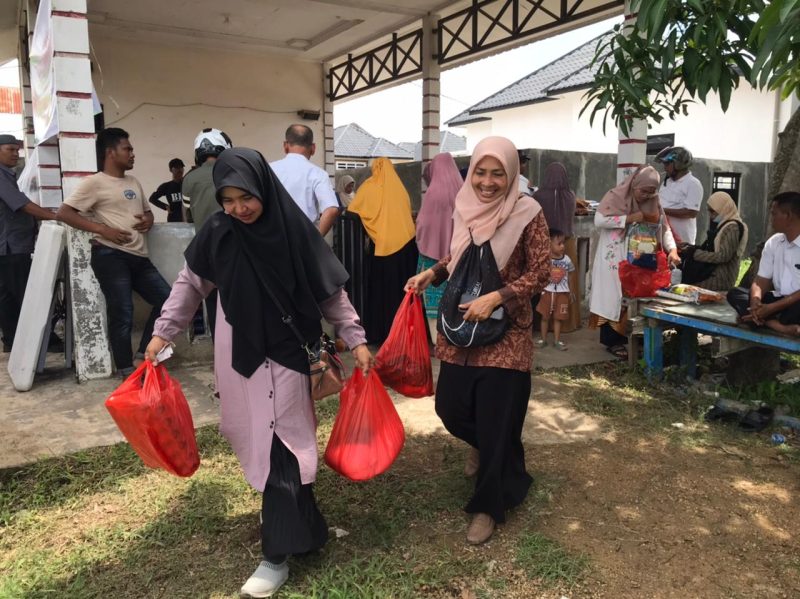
<point>677,155</point>
<point>210,142</point>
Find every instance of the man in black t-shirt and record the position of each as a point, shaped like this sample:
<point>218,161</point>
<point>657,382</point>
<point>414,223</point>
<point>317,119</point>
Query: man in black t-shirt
<point>171,190</point>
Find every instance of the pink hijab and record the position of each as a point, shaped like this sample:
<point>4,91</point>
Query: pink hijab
<point>619,200</point>
<point>501,221</point>
<point>435,218</point>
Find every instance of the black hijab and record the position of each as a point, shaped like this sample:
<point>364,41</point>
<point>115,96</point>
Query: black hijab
<point>282,250</point>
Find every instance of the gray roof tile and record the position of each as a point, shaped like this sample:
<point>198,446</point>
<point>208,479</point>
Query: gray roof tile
<point>569,71</point>
<point>354,142</point>
<point>448,142</point>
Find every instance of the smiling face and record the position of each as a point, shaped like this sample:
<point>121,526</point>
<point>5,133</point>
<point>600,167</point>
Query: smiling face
<point>489,180</point>
<point>241,205</point>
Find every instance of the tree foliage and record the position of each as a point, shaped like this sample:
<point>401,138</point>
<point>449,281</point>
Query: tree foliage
<point>678,51</point>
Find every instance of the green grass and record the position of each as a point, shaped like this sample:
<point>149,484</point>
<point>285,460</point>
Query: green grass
<point>98,524</point>
<point>544,559</point>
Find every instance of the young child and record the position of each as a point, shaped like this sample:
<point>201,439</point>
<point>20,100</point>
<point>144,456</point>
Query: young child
<point>555,300</point>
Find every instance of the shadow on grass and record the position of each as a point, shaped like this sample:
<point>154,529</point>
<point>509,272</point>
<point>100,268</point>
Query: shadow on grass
<point>405,530</point>
<point>57,481</point>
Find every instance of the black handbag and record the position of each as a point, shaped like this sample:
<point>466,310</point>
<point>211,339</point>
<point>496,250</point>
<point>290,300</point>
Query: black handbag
<point>476,274</point>
<point>694,271</point>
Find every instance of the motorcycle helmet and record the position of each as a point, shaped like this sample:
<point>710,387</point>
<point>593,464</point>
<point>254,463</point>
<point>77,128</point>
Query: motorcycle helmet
<point>680,157</point>
<point>210,142</point>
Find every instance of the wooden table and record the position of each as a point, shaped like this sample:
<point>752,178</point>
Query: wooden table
<point>717,319</point>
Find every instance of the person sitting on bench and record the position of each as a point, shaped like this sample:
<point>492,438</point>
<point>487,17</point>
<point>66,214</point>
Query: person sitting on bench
<point>773,300</point>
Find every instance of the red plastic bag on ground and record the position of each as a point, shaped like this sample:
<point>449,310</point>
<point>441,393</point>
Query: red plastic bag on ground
<point>643,282</point>
<point>403,361</point>
<point>368,434</point>
<point>152,413</point>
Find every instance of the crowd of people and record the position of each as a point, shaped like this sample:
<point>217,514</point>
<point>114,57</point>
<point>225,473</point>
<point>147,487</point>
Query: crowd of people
<point>261,263</point>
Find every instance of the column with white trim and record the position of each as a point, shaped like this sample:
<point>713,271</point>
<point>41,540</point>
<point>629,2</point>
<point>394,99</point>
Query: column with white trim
<point>76,157</point>
<point>431,117</point>
<point>632,146</point>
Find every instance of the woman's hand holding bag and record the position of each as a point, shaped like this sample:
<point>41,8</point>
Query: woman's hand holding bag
<point>152,413</point>
<point>368,434</point>
<point>404,360</point>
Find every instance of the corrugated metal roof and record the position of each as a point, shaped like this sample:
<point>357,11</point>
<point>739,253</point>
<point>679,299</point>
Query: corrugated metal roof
<point>572,70</point>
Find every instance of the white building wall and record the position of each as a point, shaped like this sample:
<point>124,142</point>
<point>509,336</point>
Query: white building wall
<point>164,95</point>
<point>745,133</point>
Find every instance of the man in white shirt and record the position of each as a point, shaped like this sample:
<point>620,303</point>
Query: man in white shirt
<point>774,298</point>
<point>307,184</point>
<point>681,194</point>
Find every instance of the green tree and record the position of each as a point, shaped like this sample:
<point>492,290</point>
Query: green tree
<point>678,51</point>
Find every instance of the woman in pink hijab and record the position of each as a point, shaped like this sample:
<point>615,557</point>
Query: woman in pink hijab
<point>632,201</point>
<point>435,220</point>
<point>482,393</point>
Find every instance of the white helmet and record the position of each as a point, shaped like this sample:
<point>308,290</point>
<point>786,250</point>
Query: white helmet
<point>210,142</point>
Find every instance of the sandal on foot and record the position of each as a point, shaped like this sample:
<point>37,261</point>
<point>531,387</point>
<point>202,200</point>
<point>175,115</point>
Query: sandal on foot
<point>540,343</point>
<point>560,346</point>
<point>619,351</point>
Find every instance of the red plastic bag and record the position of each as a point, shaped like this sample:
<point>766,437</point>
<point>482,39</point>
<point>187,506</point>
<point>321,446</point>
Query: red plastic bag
<point>403,361</point>
<point>368,434</point>
<point>643,282</point>
<point>153,415</point>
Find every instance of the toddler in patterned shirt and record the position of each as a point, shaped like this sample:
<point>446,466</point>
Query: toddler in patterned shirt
<point>556,297</point>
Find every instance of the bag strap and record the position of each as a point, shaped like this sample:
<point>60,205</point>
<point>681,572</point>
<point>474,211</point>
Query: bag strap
<point>286,318</point>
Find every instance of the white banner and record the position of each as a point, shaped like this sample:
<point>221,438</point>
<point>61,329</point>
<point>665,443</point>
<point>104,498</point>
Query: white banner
<point>43,84</point>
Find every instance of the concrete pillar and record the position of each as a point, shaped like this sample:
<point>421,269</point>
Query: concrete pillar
<point>327,125</point>
<point>431,119</point>
<point>632,148</point>
<point>26,31</point>
<point>74,154</point>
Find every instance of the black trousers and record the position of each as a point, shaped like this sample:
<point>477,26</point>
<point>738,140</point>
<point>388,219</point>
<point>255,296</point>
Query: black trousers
<point>739,298</point>
<point>14,271</point>
<point>486,407</point>
<point>291,523</point>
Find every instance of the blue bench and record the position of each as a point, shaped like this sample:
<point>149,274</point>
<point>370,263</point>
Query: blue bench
<point>717,319</point>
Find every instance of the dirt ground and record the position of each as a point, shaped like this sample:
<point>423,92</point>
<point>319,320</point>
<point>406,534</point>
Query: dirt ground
<point>661,521</point>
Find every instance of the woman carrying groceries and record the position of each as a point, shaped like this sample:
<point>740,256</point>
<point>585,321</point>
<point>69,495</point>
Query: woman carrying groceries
<point>635,200</point>
<point>482,394</point>
<point>261,240</point>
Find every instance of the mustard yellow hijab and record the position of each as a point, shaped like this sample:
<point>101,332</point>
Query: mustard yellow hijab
<point>383,204</point>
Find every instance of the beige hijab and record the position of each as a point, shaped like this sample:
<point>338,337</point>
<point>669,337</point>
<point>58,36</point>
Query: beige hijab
<point>722,203</point>
<point>501,221</point>
<point>619,200</point>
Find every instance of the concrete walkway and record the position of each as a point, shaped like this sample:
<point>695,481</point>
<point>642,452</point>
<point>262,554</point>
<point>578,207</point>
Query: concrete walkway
<point>58,416</point>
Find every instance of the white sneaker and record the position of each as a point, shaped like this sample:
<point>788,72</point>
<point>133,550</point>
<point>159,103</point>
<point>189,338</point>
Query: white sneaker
<point>266,580</point>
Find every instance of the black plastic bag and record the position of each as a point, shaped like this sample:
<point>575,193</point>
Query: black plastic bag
<point>476,274</point>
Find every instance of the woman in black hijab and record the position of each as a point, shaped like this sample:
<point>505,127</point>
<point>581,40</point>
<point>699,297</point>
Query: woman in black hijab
<point>258,249</point>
